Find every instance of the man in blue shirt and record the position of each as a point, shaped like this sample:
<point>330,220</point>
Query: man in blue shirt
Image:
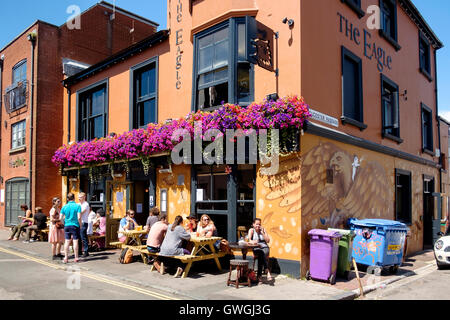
<point>71,215</point>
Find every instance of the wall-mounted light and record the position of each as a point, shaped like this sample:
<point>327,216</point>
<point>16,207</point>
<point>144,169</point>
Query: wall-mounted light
<point>290,22</point>
<point>272,97</point>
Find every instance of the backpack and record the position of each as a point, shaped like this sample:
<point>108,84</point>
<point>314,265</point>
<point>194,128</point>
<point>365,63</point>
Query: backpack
<point>126,256</point>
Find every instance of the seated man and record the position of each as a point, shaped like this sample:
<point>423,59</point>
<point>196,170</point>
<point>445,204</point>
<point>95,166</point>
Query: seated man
<point>39,223</point>
<point>157,233</point>
<point>152,219</point>
<point>127,224</point>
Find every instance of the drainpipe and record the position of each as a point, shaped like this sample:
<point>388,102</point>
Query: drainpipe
<point>437,118</point>
<point>32,38</point>
<point>68,113</point>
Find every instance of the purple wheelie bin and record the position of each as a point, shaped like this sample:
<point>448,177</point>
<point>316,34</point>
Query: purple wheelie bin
<point>324,251</point>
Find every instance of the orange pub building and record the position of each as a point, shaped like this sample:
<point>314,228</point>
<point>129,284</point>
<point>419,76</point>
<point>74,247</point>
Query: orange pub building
<point>371,149</point>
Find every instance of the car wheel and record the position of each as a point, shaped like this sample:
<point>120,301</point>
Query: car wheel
<point>440,266</point>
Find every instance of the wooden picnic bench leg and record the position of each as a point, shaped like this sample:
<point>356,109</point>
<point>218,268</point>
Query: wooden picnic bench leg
<point>213,250</point>
<point>186,269</point>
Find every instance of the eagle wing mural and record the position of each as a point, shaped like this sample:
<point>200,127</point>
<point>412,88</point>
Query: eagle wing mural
<point>368,194</point>
<point>318,197</point>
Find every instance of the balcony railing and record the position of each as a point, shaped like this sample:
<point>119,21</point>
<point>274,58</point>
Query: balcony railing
<point>16,96</point>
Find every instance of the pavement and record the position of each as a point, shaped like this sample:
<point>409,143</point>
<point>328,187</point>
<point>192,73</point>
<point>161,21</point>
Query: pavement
<point>206,282</point>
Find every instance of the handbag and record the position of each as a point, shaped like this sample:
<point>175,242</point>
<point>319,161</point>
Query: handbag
<point>59,225</point>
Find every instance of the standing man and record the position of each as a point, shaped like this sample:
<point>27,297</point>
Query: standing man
<point>85,210</point>
<point>71,214</point>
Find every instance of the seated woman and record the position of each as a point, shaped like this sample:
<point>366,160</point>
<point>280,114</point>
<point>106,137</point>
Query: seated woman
<point>191,225</point>
<point>27,221</point>
<point>127,224</point>
<point>207,229</point>
<point>99,226</point>
<point>258,234</point>
<point>172,244</point>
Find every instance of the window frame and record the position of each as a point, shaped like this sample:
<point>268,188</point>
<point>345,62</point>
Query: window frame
<point>8,198</point>
<point>423,40</point>
<point>356,7</point>
<point>393,85</point>
<point>425,149</point>
<point>15,68</point>
<point>392,39</point>
<point>233,62</point>
<point>80,94</point>
<point>409,213</point>
<point>24,135</point>
<point>345,53</point>
<point>134,72</point>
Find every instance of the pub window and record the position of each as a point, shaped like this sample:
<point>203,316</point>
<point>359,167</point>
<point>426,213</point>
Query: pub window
<point>427,129</point>
<point>390,109</point>
<point>389,21</point>
<point>92,113</point>
<point>18,135</point>
<point>424,54</point>
<point>145,94</point>
<point>222,71</point>
<point>212,191</point>
<point>163,201</point>
<point>352,92</point>
<point>16,194</point>
<point>19,72</point>
<point>403,212</point>
<point>355,5</point>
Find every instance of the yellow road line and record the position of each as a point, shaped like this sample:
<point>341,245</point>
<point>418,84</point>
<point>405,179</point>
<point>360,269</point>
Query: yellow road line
<point>91,276</point>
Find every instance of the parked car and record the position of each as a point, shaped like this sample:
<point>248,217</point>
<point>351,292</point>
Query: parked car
<point>442,251</point>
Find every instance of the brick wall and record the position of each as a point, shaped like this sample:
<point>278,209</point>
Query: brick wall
<point>98,38</point>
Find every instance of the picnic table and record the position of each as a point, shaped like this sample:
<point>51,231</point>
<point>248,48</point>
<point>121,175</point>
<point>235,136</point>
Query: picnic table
<point>203,249</point>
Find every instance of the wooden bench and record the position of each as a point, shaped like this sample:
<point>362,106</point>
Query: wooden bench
<point>116,244</point>
<point>187,258</point>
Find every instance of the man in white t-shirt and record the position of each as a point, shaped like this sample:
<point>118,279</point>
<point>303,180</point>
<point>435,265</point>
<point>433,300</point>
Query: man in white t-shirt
<point>85,210</point>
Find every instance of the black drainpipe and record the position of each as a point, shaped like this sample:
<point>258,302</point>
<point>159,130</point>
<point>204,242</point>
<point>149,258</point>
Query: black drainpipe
<point>32,39</point>
<point>68,113</point>
<point>437,118</point>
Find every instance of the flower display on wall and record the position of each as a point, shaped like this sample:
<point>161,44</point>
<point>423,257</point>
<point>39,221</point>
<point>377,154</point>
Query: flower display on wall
<point>288,112</point>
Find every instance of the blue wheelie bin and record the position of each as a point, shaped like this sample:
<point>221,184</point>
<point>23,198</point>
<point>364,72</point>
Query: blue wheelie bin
<point>379,243</point>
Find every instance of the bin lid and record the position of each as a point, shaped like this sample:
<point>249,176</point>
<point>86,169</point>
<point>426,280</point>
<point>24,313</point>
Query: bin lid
<point>342,231</point>
<point>378,223</point>
<point>324,233</point>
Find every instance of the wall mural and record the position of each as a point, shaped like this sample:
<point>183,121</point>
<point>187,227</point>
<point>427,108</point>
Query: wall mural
<point>337,185</point>
<point>278,206</point>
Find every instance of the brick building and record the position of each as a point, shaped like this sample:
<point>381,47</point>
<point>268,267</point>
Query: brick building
<point>32,67</point>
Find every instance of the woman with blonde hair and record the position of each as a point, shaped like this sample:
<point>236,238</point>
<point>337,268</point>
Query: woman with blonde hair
<point>206,227</point>
<point>56,229</point>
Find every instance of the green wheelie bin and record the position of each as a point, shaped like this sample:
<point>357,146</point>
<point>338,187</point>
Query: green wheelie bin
<point>345,252</point>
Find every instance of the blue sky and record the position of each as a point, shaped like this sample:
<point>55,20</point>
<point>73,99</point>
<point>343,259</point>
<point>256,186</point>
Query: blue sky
<point>435,12</point>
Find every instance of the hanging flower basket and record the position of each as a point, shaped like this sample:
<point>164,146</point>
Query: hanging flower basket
<point>289,115</point>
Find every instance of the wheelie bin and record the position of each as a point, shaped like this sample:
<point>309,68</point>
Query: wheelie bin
<point>345,252</point>
<point>324,249</point>
<point>379,243</point>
